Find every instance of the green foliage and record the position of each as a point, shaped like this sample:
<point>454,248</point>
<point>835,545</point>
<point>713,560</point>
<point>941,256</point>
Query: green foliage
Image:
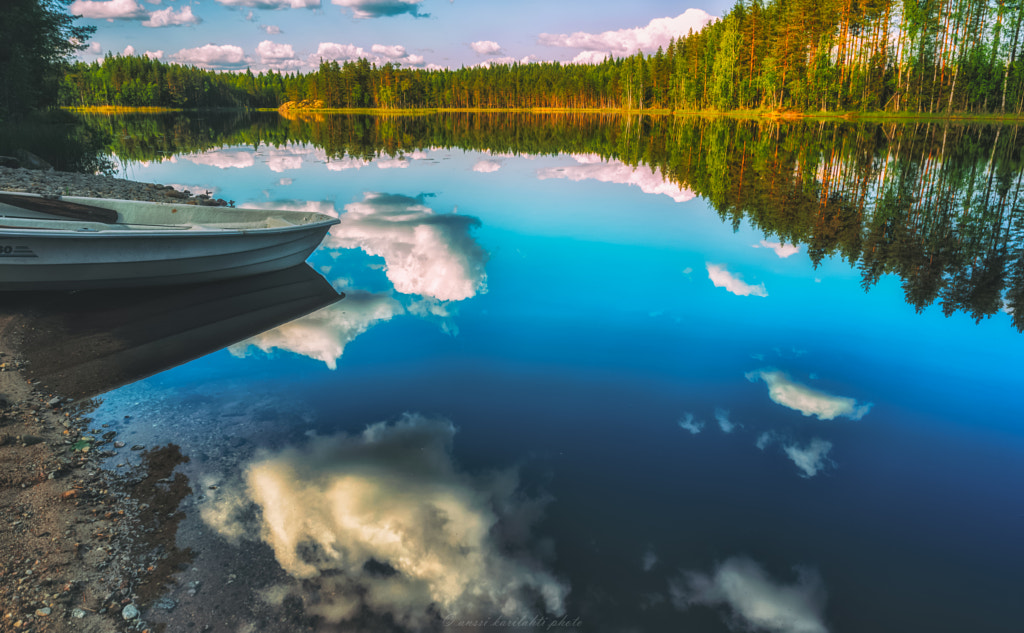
<point>37,38</point>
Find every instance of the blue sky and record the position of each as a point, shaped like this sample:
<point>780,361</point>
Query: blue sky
<point>296,34</point>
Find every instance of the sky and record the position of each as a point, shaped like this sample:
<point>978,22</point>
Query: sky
<point>290,35</point>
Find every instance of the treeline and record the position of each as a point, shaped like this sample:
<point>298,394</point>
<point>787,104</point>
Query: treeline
<point>923,56</point>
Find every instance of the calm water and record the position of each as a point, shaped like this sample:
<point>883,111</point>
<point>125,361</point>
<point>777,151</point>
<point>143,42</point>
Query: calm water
<point>563,389</point>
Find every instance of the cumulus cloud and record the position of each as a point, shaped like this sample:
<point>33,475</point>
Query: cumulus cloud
<point>486,166</point>
<point>722,417</point>
<point>324,334</point>
<point>593,167</point>
<point>753,600</point>
<point>782,250</point>
<point>109,10</point>
<point>281,159</point>
<point>486,47</point>
<point>381,8</point>
<point>272,4</point>
<point>392,52</point>
<point>506,61</point>
<point>808,401</point>
<point>277,56</point>
<point>154,54</point>
<point>384,522</point>
<point>348,162</point>
<point>810,459</point>
<point>625,42</point>
<point>691,424</point>
<point>129,50</point>
<point>213,56</point>
<point>590,57</point>
<point>168,17</point>
<point>425,253</point>
<point>270,29</point>
<point>722,278</point>
<point>379,54</point>
<point>94,48</point>
<point>225,159</point>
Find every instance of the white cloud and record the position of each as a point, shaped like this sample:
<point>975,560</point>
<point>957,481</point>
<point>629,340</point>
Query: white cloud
<point>722,278</point>
<point>624,42</point>
<point>392,163</point>
<point>129,50</point>
<point>755,601</point>
<point>272,4</point>
<point>339,52</point>
<point>689,423</point>
<point>270,29</point>
<point>811,458</point>
<point>486,166</point>
<point>799,397</point>
<point>381,8</point>
<point>593,167</point>
<point>277,56</point>
<point>285,158</point>
<point>94,48</point>
<point>486,47</point>
<point>590,57</point>
<point>110,10</point>
<point>168,17</point>
<point>284,182</point>
<point>324,334</point>
<point>425,253</point>
<point>348,162</point>
<point>225,159</point>
<point>389,51</point>
<point>384,522</point>
<point>379,54</point>
<point>154,54</point>
<point>722,417</point>
<point>782,250</point>
<point>212,56</point>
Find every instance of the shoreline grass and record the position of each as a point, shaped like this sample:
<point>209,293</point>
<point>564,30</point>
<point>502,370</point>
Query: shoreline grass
<point>750,114</point>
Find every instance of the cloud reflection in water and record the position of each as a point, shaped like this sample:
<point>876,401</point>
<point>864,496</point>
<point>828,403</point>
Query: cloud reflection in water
<point>384,521</point>
<point>426,253</point>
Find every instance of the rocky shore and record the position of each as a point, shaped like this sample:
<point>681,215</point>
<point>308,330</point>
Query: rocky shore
<point>87,523</point>
<point>58,183</point>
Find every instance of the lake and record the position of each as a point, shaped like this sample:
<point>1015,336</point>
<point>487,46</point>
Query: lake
<point>591,373</point>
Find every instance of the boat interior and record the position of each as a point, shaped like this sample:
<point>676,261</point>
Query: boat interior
<point>86,215</point>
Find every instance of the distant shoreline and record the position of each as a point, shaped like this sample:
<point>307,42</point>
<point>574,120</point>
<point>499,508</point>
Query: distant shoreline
<point>774,115</point>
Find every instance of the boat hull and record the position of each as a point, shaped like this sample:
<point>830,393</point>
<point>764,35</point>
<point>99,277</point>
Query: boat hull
<point>73,260</point>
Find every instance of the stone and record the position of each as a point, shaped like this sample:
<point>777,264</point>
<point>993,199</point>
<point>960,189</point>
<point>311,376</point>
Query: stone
<point>77,613</point>
<point>42,613</point>
<point>165,603</point>
<point>130,612</point>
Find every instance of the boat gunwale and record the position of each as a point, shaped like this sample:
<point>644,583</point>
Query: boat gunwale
<point>191,231</point>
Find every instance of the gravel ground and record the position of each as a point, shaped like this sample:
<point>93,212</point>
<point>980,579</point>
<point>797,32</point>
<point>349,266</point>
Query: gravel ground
<point>70,184</point>
<point>82,548</point>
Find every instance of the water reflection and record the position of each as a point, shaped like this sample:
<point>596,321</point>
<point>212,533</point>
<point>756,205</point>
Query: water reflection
<point>595,167</point>
<point>324,334</point>
<point>86,343</point>
<point>939,204</point>
<point>426,253</point>
<point>753,599</point>
<point>384,521</point>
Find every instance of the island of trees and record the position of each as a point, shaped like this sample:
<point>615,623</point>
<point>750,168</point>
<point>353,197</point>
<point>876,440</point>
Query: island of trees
<point>899,56</point>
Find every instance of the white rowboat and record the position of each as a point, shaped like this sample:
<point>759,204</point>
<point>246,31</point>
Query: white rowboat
<point>78,243</point>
